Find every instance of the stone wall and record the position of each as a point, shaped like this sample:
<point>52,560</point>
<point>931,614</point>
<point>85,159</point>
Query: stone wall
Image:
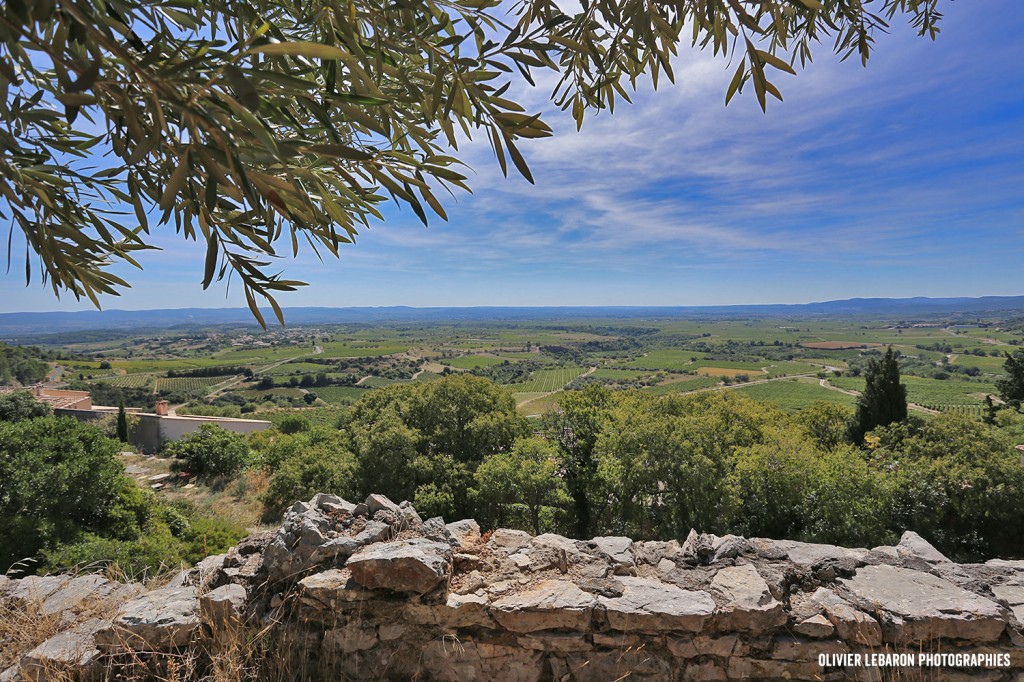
<point>371,591</point>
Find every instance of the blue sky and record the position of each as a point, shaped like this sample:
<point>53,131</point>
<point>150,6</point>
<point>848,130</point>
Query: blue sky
<point>902,179</point>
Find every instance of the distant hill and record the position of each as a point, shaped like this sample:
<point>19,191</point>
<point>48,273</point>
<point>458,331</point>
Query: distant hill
<point>17,326</point>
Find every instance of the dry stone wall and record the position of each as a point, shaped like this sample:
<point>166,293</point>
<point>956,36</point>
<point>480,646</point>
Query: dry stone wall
<point>372,591</point>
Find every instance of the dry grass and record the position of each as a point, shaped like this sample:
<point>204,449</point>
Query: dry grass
<point>23,629</point>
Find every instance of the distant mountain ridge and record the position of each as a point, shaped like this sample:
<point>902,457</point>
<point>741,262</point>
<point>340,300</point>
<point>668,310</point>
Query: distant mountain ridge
<point>15,325</point>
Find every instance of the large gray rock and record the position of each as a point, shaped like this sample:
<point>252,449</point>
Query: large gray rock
<point>618,551</point>
<point>416,565</point>
<point>915,546</point>
<point>729,547</point>
<point>376,503</point>
<point>917,606</point>
<point>222,608</point>
<point>648,605</point>
<point>465,534</point>
<point>1013,597</point>
<point>508,541</point>
<point>328,590</point>
<point>69,654</point>
<point>851,624</point>
<point>91,592</point>
<point>160,620</point>
<point>751,605</point>
<point>551,605</point>
<point>807,554</point>
<point>34,589</point>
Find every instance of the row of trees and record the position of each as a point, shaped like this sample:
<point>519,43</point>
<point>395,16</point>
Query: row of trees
<point>625,462</point>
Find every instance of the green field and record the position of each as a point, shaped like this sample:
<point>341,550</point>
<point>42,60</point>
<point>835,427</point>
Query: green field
<point>783,369</point>
<point>541,404</point>
<point>473,361</point>
<point>546,380</point>
<point>689,384</point>
<point>666,359</point>
<point>795,394</point>
<point>360,350</point>
<point>931,392</point>
<point>987,364</point>
<point>132,381</point>
<point>299,367</point>
<point>620,374</point>
<point>186,384</point>
<point>340,394</point>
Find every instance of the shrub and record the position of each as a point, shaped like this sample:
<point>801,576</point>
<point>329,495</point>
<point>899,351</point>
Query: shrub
<point>61,480</point>
<point>19,405</point>
<point>321,468</point>
<point>211,451</point>
<point>293,423</point>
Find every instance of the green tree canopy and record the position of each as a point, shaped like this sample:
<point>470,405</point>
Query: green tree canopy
<point>210,451</point>
<point>18,405</point>
<point>256,126</point>
<point>884,399</point>
<point>422,442</point>
<point>521,486</point>
<point>60,479</point>
<point>1011,387</point>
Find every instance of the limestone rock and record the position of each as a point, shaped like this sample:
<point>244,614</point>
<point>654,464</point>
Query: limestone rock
<point>376,503</point>
<point>618,551</point>
<point>913,545</point>
<point>551,605</point>
<point>207,571</point>
<point>72,653</point>
<point>408,518</point>
<point>851,624</point>
<point>90,592</point>
<point>374,531</point>
<point>465,534</point>
<point>653,552</point>
<point>807,554</point>
<point>326,590</point>
<point>1013,597</point>
<point>817,627</point>
<point>34,589</point>
<point>336,551</point>
<point>698,548</point>
<point>416,565</point>
<point>648,605</point>
<point>458,611</point>
<point>222,607</point>
<point>156,621</point>
<point>508,541</point>
<point>729,547</point>
<point>751,605</point>
<point>331,503</point>
<point>918,606</point>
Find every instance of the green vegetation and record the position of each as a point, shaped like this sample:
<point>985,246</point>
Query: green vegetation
<point>623,448</point>
<point>546,380</point>
<point>24,365</point>
<point>210,451</point>
<point>19,405</point>
<point>795,394</point>
<point>1011,388</point>
<point>883,400</point>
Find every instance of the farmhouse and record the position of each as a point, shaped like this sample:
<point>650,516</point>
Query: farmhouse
<point>153,428</point>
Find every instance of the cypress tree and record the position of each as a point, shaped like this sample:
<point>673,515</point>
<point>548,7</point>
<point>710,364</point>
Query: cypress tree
<point>1011,387</point>
<point>884,399</point>
<point>122,423</point>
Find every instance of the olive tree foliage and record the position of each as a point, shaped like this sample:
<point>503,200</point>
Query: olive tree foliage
<point>258,126</point>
